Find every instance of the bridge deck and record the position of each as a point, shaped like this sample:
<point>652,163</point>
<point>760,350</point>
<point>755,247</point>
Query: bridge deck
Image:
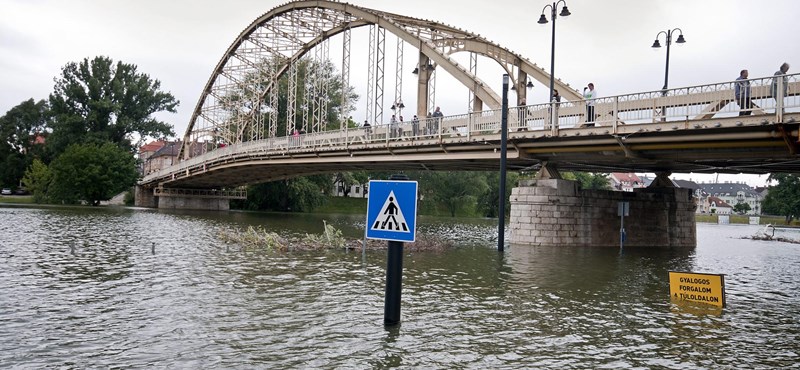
<point>694,129</point>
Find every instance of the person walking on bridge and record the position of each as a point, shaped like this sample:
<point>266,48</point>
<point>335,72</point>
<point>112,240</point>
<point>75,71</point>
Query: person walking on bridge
<point>589,94</point>
<point>742,93</point>
<point>781,72</point>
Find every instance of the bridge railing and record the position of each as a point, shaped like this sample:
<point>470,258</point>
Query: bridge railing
<point>769,97</point>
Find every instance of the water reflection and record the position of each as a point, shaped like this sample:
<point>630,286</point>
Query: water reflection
<point>197,302</point>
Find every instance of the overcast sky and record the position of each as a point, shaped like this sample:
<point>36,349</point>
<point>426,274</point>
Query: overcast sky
<point>605,42</point>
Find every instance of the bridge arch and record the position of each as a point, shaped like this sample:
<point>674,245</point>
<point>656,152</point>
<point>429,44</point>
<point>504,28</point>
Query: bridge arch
<point>290,31</point>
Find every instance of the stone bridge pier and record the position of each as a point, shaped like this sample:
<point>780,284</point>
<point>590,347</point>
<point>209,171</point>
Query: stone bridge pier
<point>180,198</point>
<point>554,212</point>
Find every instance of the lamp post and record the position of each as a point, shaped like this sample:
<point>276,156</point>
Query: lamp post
<point>656,45</point>
<point>542,20</point>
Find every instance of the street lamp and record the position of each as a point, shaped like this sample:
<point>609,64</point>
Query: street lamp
<point>657,45</point>
<point>542,20</point>
<point>398,106</point>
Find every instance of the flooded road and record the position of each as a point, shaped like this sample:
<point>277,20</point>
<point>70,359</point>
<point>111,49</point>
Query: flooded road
<point>137,288</point>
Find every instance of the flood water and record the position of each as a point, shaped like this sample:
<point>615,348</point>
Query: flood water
<point>84,288</point>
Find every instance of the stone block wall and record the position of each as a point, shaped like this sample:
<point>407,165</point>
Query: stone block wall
<point>208,204</point>
<point>555,213</point>
<point>143,197</point>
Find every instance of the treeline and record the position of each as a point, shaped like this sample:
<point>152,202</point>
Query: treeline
<point>453,191</point>
<point>78,145</point>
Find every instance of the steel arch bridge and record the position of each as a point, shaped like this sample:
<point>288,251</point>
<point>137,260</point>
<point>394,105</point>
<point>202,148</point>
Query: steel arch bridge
<point>240,101</point>
<point>233,138</point>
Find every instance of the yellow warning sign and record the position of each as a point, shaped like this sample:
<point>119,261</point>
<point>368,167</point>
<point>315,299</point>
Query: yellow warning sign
<point>697,287</point>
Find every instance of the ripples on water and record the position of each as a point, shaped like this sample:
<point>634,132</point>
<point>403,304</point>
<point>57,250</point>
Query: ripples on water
<point>82,288</point>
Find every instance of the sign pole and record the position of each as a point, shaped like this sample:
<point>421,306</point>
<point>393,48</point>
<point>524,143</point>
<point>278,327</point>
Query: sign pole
<point>394,284</point>
<point>501,227</point>
<point>394,275</point>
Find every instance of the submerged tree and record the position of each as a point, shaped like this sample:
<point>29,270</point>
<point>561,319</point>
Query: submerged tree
<point>453,189</point>
<point>299,194</point>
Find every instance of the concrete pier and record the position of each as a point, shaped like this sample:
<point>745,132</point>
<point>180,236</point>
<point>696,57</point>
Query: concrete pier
<point>182,198</point>
<point>187,202</point>
<point>553,212</point>
<point>144,197</point>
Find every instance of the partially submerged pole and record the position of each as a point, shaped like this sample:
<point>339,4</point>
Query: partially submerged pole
<point>501,227</point>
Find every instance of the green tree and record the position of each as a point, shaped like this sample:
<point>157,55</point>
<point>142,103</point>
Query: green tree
<point>239,104</point>
<point>589,181</point>
<point>345,180</point>
<point>741,208</point>
<point>784,198</point>
<point>299,194</point>
<point>489,201</point>
<point>18,145</point>
<point>37,180</point>
<point>97,101</point>
<point>453,189</point>
<point>91,173</point>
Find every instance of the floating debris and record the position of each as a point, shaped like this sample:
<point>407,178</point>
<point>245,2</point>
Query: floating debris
<point>331,238</point>
<point>768,233</point>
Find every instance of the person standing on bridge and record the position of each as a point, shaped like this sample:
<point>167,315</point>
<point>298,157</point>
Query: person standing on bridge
<point>367,129</point>
<point>556,100</point>
<point>556,97</point>
<point>781,72</point>
<point>437,119</point>
<point>415,126</point>
<point>742,93</point>
<point>589,94</point>
<point>393,126</point>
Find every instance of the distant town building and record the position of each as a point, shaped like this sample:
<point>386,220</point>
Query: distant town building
<point>625,181</point>
<point>354,191</point>
<point>718,206</point>
<point>733,194</point>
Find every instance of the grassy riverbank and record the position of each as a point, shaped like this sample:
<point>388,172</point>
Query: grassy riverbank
<point>744,219</point>
<point>359,206</point>
<point>20,199</point>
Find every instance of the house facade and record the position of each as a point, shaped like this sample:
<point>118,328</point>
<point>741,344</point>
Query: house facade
<point>625,181</point>
<point>717,205</point>
<point>356,190</point>
<point>733,194</point>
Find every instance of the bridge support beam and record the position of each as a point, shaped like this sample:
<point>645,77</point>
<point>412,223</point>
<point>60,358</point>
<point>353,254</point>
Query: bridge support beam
<point>423,77</point>
<point>553,212</point>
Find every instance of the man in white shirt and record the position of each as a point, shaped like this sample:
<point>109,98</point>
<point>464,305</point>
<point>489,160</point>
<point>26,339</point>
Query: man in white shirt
<point>589,94</point>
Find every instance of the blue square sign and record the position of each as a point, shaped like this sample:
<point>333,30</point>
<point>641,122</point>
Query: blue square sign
<point>392,210</point>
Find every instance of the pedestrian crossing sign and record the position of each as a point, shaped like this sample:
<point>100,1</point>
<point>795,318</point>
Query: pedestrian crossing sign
<point>392,210</point>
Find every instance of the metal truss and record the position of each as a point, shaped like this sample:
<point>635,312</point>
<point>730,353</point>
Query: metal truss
<point>380,65</point>
<point>238,97</point>
<point>371,74</point>
<point>343,119</point>
<point>397,104</point>
<point>473,70</point>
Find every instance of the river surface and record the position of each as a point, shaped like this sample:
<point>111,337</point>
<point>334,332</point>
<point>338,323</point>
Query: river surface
<point>140,288</point>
